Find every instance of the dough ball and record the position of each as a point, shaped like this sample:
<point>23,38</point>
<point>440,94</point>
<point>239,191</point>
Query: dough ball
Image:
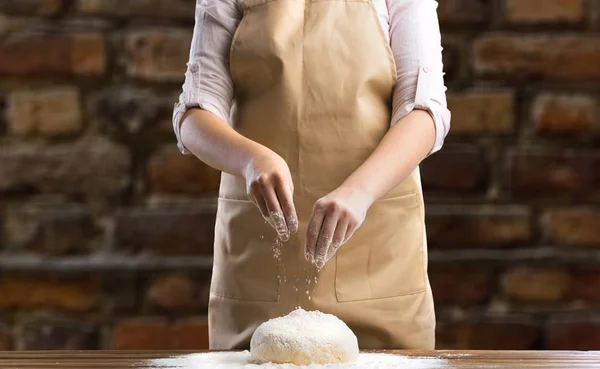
<point>304,338</point>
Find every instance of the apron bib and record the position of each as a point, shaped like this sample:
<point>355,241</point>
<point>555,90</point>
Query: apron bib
<point>313,82</point>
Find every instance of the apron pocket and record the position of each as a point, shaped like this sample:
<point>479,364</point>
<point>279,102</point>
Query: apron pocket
<point>245,267</point>
<point>386,256</point>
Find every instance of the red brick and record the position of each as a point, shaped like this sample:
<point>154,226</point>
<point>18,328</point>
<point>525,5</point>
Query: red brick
<point>205,294</point>
<point>564,114</point>
<point>166,125</point>
<point>574,335</point>
<point>173,293</point>
<point>172,172</point>
<point>121,291</point>
<point>89,166</point>
<point>56,334</point>
<point>158,334</point>
<point>167,231</point>
<point>30,7</point>
<point>79,295</point>
<point>558,56</point>
<point>461,11</point>
<point>545,11</point>
<point>49,112</point>
<point>459,286</point>
<point>594,15</point>
<point>572,227</point>
<point>133,113</point>
<point>585,286</point>
<point>178,9</point>
<point>51,230</point>
<point>486,111</point>
<point>463,227</point>
<point>536,284</point>
<point>451,54</point>
<point>5,338</point>
<point>158,54</point>
<point>543,171</point>
<point>29,53</point>
<point>438,172</point>
<point>487,336</point>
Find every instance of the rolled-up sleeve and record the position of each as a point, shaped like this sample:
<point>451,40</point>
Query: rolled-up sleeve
<point>208,83</point>
<point>415,40</point>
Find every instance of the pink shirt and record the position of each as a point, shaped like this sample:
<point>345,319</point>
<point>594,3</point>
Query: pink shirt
<point>410,26</point>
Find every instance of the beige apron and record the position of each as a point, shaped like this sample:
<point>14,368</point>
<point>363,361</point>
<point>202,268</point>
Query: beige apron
<point>314,82</point>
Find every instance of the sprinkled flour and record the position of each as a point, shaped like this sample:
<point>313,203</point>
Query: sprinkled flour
<point>277,249</point>
<point>242,360</point>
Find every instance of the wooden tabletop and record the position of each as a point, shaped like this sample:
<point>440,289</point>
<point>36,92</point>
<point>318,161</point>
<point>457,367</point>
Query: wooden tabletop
<point>454,359</point>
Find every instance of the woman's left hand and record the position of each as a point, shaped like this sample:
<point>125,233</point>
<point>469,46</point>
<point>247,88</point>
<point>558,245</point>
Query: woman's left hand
<point>334,219</point>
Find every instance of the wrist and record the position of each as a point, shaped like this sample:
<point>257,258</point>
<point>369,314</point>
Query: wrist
<point>359,191</point>
<point>253,152</point>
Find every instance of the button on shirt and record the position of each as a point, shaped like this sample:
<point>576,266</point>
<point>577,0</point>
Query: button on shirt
<point>411,28</point>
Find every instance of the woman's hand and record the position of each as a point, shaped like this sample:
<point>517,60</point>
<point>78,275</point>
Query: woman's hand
<point>269,186</point>
<point>334,219</point>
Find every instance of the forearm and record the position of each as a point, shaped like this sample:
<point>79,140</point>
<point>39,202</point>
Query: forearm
<point>400,151</point>
<point>215,143</point>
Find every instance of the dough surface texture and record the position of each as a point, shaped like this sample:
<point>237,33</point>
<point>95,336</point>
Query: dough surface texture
<point>304,338</point>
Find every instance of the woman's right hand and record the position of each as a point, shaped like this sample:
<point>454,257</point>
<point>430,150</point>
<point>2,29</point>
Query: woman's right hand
<point>269,186</point>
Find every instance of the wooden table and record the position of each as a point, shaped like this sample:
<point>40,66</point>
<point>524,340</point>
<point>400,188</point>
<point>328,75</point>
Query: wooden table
<point>455,359</point>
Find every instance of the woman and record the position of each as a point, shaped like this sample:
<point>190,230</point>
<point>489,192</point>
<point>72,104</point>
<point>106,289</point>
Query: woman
<point>318,112</point>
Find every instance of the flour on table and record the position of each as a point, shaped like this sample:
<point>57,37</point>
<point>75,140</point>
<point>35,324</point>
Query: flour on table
<point>304,338</point>
<point>312,339</point>
<point>242,360</point>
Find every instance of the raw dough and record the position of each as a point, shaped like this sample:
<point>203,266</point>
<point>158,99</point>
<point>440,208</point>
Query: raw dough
<point>304,338</point>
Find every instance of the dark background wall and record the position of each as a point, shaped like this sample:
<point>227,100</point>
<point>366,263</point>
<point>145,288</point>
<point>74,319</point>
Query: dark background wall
<point>107,230</point>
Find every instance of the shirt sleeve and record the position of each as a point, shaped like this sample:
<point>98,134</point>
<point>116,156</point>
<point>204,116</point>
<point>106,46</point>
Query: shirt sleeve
<point>208,83</point>
<point>415,40</point>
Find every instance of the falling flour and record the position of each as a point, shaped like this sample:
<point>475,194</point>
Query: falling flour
<point>277,249</point>
<point>242,360</point>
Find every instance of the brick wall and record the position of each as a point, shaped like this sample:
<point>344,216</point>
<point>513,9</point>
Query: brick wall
<point>107,230</point>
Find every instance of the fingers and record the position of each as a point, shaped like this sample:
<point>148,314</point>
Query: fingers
<point>328,228</point>
<point>257,198</point>
<point>274,198</point>
<point>352,227</point>
<point>275,213</point>
<point>331,225</point>
<point>339,238</point>
<point>270,186</point>
<point>286,201</point>
<point>312,236</point>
